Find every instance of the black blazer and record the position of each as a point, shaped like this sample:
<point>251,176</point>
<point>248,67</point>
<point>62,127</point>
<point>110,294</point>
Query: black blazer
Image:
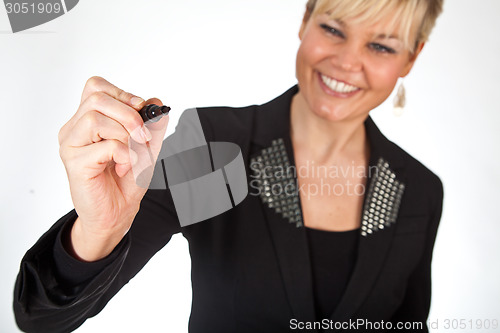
<point>250,266</point>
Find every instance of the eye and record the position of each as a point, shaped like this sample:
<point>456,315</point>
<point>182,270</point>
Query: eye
<point>381,48</point>
<point>331,30</point>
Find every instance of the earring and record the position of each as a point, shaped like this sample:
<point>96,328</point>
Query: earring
<point>399,100</point>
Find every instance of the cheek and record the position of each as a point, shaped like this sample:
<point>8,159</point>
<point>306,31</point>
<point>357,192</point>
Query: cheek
<point>302,61</point>
<point>299,64</point>
<point>309,54</point>
<point>383,77</point>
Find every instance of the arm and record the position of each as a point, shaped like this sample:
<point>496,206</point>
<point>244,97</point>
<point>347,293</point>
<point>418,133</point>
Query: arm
<point>102,146</point>
<point>51,298</point>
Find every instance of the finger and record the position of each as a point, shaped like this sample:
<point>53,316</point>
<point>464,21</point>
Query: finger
<point>94,127</point>
<point>157,130</point>
<point>128,117</point>
<point>99,84</point>
<point>153,100</point>
<point>148,153</point>
<point>90,161</point>
<point>122,169</point>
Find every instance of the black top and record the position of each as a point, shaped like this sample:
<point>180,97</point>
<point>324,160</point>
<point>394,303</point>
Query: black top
<point>333,255</point>
<point>251,269</point>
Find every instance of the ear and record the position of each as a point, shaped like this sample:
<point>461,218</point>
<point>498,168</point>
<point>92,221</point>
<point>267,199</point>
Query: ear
<point>412,59</point>
<point>307,15</point>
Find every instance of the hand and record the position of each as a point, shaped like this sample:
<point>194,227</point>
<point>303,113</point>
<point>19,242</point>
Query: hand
<point>94,147</point>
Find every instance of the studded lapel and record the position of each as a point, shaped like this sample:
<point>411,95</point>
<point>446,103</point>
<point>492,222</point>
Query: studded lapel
<point>285,220</point>
<point>380,211</point>
<point>277,183</point>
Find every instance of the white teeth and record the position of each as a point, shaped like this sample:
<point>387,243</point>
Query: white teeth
<point>337,86</point>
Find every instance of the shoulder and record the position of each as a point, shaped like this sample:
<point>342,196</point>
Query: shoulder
<point>224,123</point>
<point>419,178</point>
<point>418,171</point>
<point>259,120</point>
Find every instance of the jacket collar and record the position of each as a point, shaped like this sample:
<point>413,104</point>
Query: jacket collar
<point>271,122</point>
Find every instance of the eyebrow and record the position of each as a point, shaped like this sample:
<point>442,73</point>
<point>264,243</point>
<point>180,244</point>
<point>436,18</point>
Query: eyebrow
<point>385,36</point>
<point>379,36</point>
<point>340,22</point>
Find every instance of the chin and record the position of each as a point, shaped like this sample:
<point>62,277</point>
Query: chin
<point>330,113</point>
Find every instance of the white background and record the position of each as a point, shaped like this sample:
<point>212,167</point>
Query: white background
<point>232,52</point>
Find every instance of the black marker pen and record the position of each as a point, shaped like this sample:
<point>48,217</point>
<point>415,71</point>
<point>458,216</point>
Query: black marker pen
<point>153,113</point>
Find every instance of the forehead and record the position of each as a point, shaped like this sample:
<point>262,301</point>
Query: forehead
<point>370,10</point>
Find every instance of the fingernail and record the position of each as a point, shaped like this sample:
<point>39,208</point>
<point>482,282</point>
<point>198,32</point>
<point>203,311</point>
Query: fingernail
<point>133,157</point>
<point>139,135</point>
<point>146,134</point>
<point>136,101</point>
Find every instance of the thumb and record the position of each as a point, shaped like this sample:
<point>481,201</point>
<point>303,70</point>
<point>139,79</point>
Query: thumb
<point>153,100</point>
<point>157,128</point>
<point>148,153</point>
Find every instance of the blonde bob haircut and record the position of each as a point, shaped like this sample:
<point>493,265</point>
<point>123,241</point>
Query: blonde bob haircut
<point>404,14</point>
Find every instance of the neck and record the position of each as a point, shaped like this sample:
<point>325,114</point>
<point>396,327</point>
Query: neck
<point>325,140</point>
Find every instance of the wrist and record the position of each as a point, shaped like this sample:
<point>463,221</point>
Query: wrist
<point>89,246</point>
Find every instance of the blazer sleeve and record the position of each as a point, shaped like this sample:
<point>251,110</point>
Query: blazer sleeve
<point>416,304</point>
<point>57,293</point>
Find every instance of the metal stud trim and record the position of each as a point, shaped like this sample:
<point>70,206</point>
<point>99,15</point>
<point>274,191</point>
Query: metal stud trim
<point>383,199</point>
<point>283,202</point>
<point>381,205</point>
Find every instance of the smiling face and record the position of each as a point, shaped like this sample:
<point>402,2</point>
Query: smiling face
<point>346,68</point>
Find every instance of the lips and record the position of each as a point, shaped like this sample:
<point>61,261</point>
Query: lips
<point>338,86</point>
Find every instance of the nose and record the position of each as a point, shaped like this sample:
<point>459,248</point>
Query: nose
<point>348,57</point>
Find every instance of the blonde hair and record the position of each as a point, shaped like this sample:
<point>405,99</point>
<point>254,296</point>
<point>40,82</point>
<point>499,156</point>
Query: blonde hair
<point>404,14</point>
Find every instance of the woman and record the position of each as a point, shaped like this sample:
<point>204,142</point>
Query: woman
<point>352,242</point>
